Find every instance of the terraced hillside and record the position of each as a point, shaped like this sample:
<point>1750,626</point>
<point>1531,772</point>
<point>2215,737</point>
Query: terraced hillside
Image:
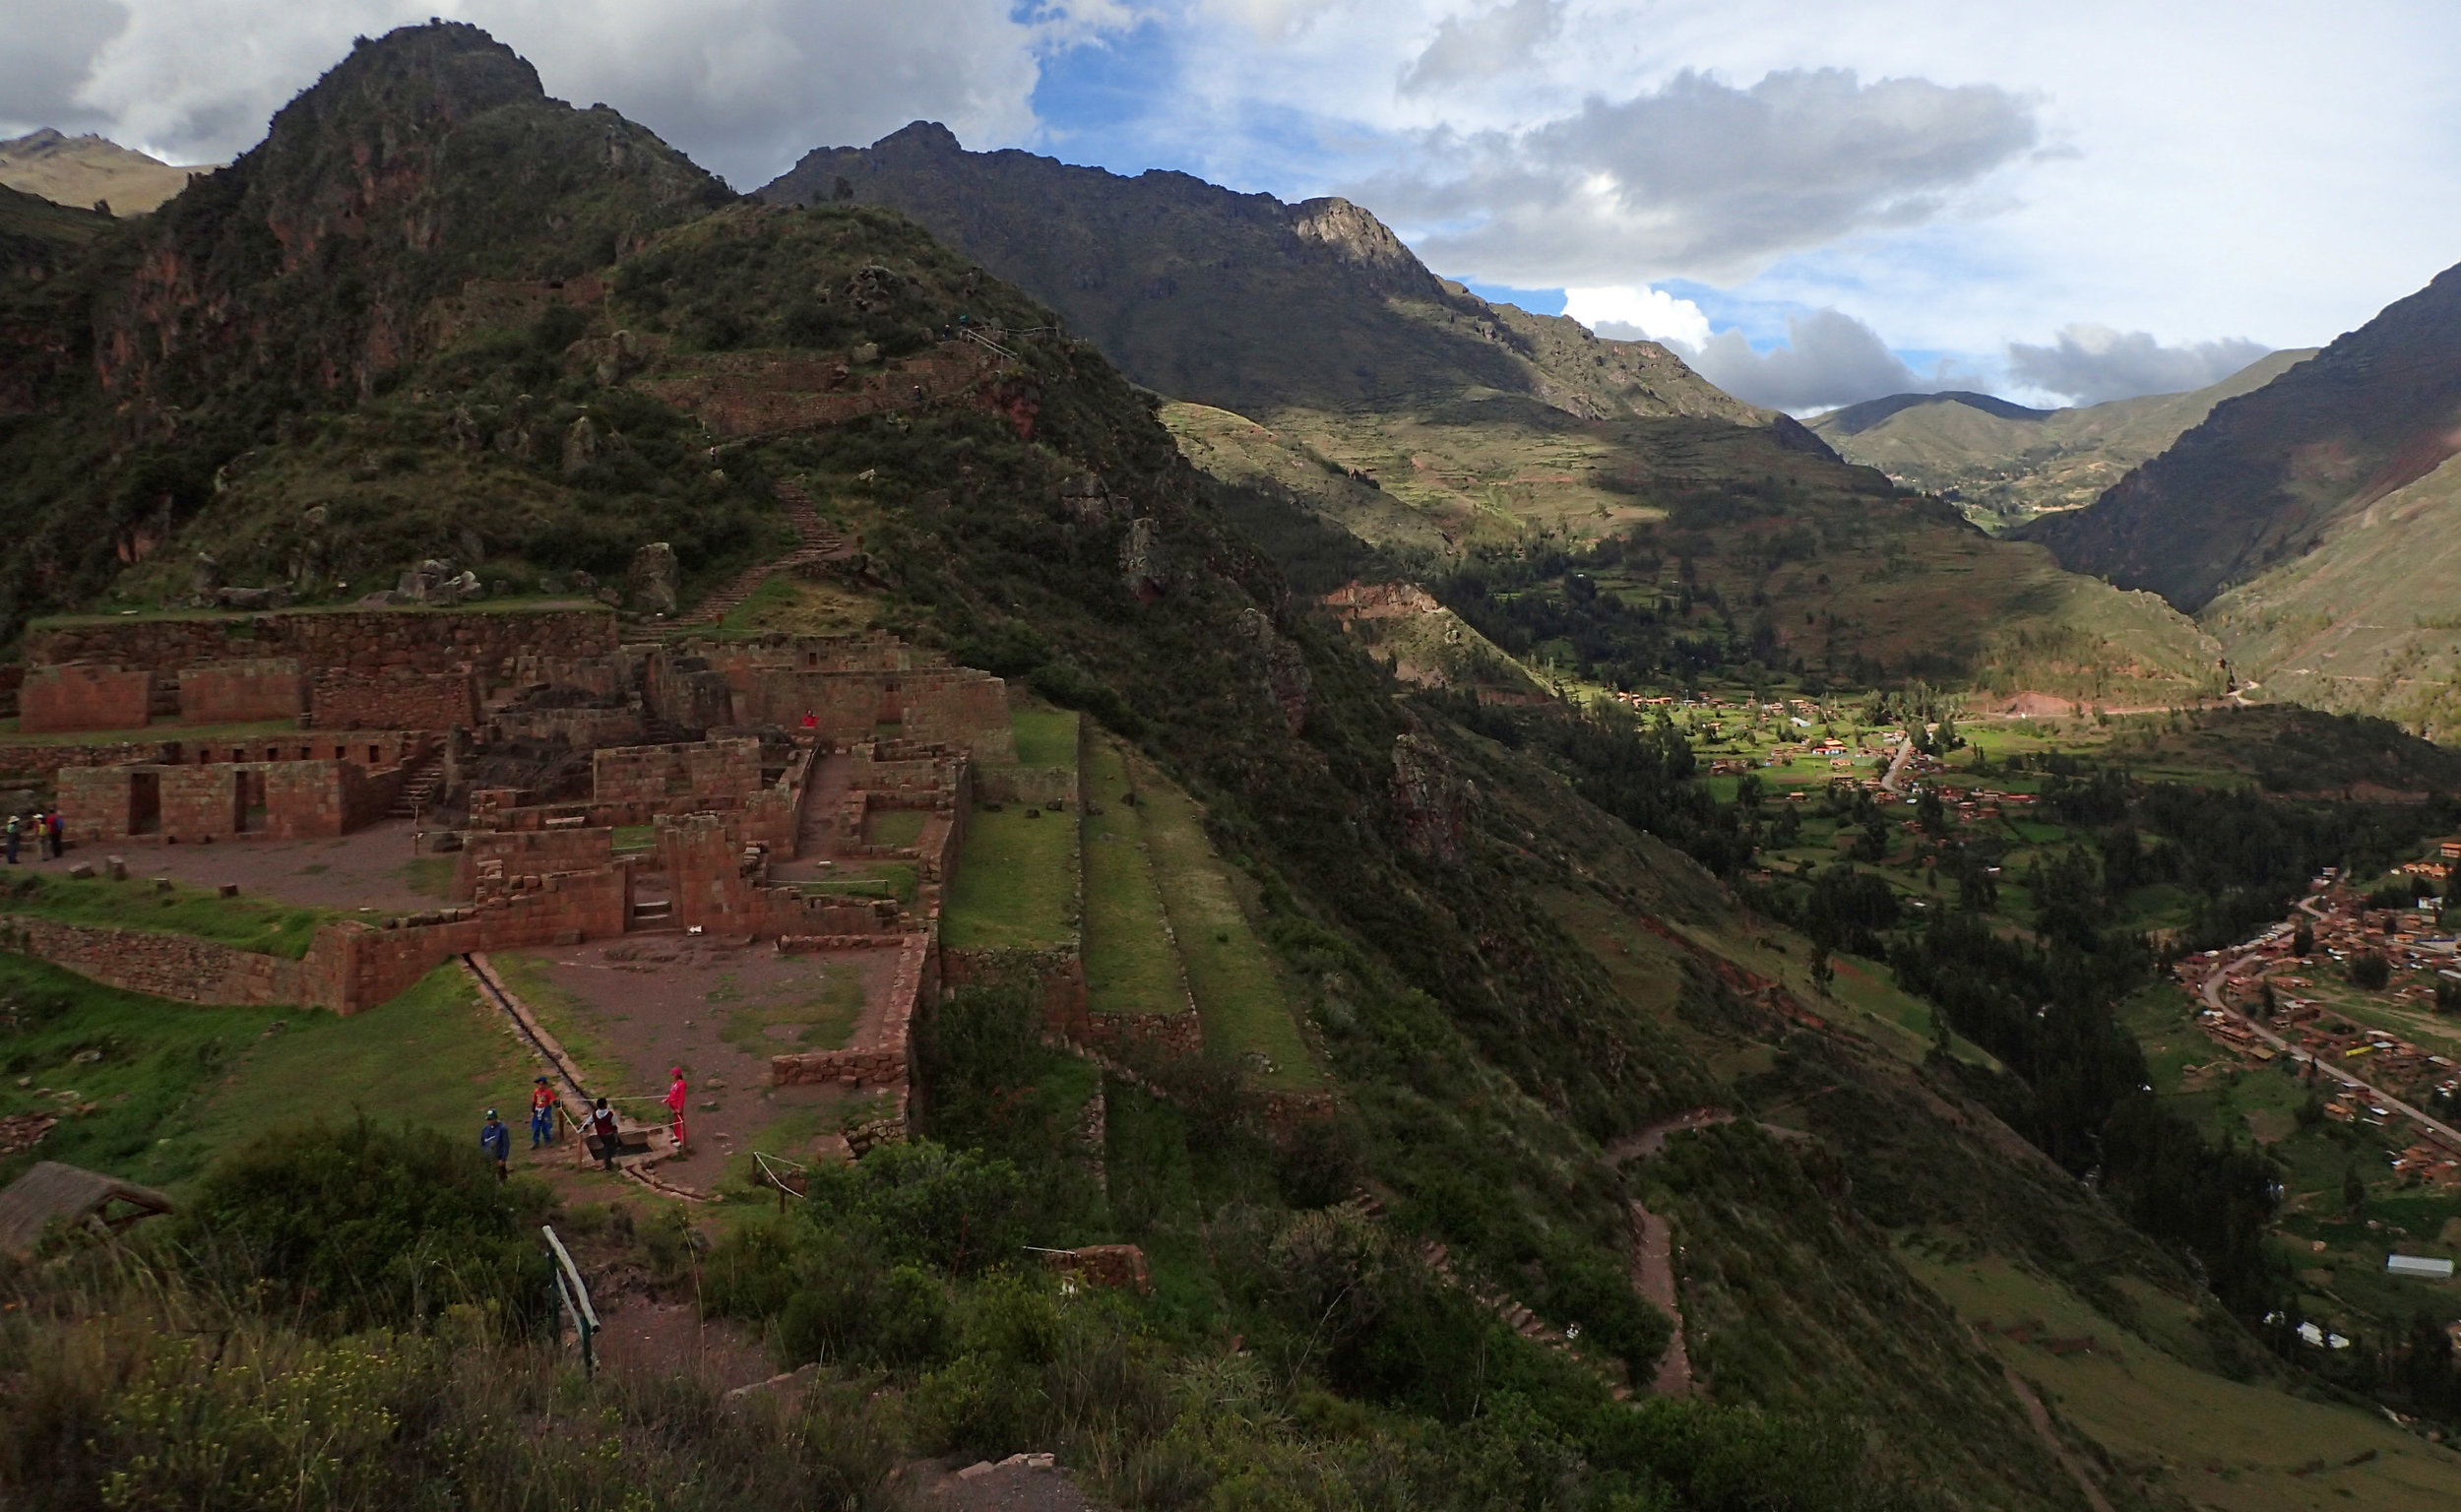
<point>1462,926</point>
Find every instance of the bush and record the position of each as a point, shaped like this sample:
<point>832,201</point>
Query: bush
<point>369,1226</point>
<point>2369,969</point>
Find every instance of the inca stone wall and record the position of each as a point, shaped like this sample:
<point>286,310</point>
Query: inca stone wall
<point>363,641</point>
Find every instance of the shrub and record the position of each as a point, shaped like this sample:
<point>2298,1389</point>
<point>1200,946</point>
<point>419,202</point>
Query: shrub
<point>2369,969</point>
<point>368,1225</point>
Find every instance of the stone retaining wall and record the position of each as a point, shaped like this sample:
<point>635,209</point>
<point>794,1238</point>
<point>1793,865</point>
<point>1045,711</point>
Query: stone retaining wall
<point>887,1062</point>
<point>396,698</point>
<point>242,691</point>
<point>363,641</point>
<point>83,696</point>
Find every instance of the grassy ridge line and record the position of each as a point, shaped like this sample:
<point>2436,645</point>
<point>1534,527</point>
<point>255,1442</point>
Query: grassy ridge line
<point>266,928</point>
<point>1239,996</point>
<point>1131,964</point>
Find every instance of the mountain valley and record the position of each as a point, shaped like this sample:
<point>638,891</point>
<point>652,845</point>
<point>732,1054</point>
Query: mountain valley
<point>1275,884</point>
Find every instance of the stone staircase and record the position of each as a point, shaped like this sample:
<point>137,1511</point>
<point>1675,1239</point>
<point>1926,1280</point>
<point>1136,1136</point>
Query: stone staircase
<point>1519,1319</point>
<point>815,543</point>
<point>417,787</point>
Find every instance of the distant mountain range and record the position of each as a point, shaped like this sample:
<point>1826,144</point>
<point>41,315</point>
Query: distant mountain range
<point>90,170</point>
<point>2004,464</point>
<point>2313,525</point>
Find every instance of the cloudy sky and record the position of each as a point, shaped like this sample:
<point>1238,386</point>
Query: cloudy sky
<point>1817,202</point>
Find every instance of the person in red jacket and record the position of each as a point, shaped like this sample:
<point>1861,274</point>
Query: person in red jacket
<point>675,1096</point>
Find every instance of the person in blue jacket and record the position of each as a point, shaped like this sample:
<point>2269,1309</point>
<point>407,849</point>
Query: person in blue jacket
<point>497,1141</point>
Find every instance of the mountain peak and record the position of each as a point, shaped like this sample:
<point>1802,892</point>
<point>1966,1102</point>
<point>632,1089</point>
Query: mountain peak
<point>920,137</point>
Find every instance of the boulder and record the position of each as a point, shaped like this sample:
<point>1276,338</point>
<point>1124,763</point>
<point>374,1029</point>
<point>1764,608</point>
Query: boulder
<point>654,583</point>
<point>582,444</point>
<point>205,576</point>
<point>1142,561</point>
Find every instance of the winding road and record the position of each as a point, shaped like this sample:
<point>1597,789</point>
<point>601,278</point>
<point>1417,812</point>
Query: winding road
<point>2221,978</point>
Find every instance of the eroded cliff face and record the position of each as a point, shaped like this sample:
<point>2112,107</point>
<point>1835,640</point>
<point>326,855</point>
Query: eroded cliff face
<point>423,160</point>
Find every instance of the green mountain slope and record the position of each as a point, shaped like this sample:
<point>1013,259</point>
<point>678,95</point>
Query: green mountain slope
<point>2003,464</point>
<point>2363,623</point>
<point>1324,367</point>
<point>1239,301</point>
<point>1512,988</point>
<point>2268,475</point>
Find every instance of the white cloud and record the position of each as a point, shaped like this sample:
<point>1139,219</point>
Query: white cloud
<point>2092,364</point>
<point>1702,179</point>
<point>1639,314</point>
<point>47,49</point>
<point>1830,359</point>
<point>1482,45</point>
<point>744,85</point>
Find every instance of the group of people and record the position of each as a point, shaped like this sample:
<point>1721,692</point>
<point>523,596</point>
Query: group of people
<point>495,1137</point>
<point>48,834</point>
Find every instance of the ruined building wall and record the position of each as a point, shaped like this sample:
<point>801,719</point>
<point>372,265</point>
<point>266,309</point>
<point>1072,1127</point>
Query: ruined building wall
<point>83,696</point>
<point>363,641</point>
<point>242,691</point>
<point>398,699</point>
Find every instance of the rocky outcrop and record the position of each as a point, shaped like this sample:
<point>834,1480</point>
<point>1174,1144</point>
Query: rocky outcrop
<point>1142,564</point>
<point>652,584</point>
<point>1434,803</point>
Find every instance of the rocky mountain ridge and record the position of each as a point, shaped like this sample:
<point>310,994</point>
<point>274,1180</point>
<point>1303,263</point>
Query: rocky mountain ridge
<point>1242,301</point>
<point>92,171</point>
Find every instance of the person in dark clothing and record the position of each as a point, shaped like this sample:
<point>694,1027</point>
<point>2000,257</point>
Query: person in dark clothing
<point>603,1129</point>
<point>497,1140</point>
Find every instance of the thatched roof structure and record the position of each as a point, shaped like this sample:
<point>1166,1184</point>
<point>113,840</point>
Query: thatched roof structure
<point>72,1195</point>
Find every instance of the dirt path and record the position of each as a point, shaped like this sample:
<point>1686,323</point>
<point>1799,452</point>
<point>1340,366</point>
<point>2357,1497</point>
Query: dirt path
<point>1653,1277</point>
<point>2039,1417</point>
<point>1653,1138</point>
<point>1892,779</point>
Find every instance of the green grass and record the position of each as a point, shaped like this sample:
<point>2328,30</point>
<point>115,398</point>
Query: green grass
<point>1129,963</point>
<point>155,1055</point>
<point>1015,885</point>
<point>895,826</point>
<point>574,1021</point>
<point>821,1021</point>
<point>1240,994</point>
<point>901,880</point>
<point>1045,737</point>
<point>436,1056</point>
<point>2245,1447</point>
<point>775,591</point>
<point>430,876</point>
<point>635,837</point>
<point>184,733</point>
<point>272,929</point>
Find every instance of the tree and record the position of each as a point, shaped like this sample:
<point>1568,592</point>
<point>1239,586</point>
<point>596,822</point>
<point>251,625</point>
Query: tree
<point>2354,1190</point>
<point>2302,940</point>
<point>2264,1001</point>
<point>2447,995</point>
<point>2369,969</point>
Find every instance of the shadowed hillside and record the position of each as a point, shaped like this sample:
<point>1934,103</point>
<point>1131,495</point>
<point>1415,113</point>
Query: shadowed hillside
<point>1239,301</point>
<point>2267,476</point>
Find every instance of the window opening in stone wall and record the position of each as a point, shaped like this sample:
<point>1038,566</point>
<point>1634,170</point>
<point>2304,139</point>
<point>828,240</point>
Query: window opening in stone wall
<point>145,803</point>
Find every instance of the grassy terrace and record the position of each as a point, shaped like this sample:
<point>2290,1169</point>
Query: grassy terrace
<point>172,1083</point>
<point>1016,883</point>
<point>511,603</point>
<point>1045,737</point>
<point>895,826</point>
<point>1239,994</point>
<point>274,929</point>
<point>190,733</point>
<point>1129,963</point>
